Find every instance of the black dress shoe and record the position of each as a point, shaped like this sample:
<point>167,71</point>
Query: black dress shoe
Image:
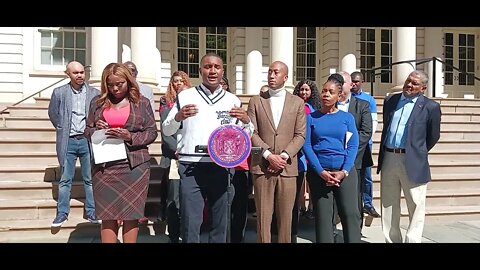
<point>371,211</point>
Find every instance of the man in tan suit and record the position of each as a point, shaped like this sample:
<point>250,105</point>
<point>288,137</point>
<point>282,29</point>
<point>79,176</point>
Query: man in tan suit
<point>279,120</point>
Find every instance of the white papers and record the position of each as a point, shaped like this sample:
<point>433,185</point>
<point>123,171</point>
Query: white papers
<point>105,150</point>
<point>348,135</point>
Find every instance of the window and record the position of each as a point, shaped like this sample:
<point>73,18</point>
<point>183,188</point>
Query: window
<point>194,42</point>
<point>60,45</point>
<point>386,55</point>
<point>367,52</point>
<point>216,42</point>
<point>448,55</point>
<point>375,42</point>
<point>306,53</point>
<point>466,59</point>
<point>459,48</point>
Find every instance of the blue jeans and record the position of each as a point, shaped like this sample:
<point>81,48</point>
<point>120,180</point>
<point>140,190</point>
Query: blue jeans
<point>76,148</point>
<point>367,188</point>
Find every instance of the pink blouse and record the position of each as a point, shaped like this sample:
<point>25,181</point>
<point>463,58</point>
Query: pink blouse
<point>116,118</point>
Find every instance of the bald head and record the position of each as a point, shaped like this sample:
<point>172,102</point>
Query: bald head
<point>277,75</point>
<point>281,64</point>
<point>73,65</point>
<point>347,85</point>
<point>76,72</point>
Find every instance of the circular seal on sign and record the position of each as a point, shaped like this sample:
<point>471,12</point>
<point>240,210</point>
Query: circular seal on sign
<point>229,146</point>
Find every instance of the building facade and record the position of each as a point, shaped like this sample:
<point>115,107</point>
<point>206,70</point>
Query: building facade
<point>33,59</point>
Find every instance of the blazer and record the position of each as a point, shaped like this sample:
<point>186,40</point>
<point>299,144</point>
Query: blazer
<point>423,134</point>
<point>289,136</point>
<point>140,122</point>
<point>60,114</point>
<point>360,109</point>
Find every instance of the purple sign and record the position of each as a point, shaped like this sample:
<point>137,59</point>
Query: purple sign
<point>229,146</point>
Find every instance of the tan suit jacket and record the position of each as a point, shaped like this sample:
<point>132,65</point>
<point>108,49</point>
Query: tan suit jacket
<point>288,137</point>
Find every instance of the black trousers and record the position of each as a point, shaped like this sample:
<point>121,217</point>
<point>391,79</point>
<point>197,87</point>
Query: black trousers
<point>173,207</point>
<point>241,182</point>
<point>346,199</point>
<point>200,180</point>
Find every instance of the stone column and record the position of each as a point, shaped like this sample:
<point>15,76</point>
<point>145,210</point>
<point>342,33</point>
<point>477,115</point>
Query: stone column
<point>403,48</point>
<point>349,63</point>
<point>104,51</point>
<point>254,72</point>
<point>434,48</point>
<point>346,49</point>
<point>254,63</point>
<point>281,44</point>
<point>143,46</point>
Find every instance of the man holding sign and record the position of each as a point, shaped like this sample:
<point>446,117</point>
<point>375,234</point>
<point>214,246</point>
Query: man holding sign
<point>197,113</point>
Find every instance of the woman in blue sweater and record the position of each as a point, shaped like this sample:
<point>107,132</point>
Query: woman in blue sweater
<point>331,145</point>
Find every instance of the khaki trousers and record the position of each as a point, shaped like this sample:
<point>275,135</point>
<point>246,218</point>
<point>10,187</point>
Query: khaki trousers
<point>393,180</point>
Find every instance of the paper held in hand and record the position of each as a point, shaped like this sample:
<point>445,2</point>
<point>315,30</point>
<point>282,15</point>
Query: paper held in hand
<point>348,135</point>
<point>105,150</point>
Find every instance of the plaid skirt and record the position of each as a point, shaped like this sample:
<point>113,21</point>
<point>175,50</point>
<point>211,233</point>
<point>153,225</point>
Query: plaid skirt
<point>120,192</point>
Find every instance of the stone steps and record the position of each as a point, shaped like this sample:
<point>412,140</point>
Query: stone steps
<point>43,145</point>
<point>444,145</point>
<point>27,173</point>
<point>446,155</point>
<point>45,158</point>
<point>17,209</point>
<point>29,170</point>
<point>450,166</point>
<point>434,214</point>
<point>449,126</point>
<point>444,181</point>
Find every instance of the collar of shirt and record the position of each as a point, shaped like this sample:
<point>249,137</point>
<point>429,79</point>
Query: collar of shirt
<point>345,102</point>
<point>404,99</point>
<point>208,92</point>
<point>75,91</point>
<point>277,93</point>
<point>357,94</point>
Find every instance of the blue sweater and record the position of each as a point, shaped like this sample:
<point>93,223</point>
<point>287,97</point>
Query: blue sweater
<point>325,141</point>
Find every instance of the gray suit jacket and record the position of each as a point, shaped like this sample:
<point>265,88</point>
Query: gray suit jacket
<point>423,134</point>
<point>60,114</point>
<point>289,136</point>
<point>360,109</point>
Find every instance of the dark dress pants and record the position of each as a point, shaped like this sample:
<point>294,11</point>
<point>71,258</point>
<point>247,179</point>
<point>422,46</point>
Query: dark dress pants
<point>239,208</point>
<point>346,199</point>
<point>200,180</point>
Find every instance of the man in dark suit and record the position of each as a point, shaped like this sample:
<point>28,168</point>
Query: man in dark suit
<point>280,124</point>
<point>360,109</point>
<point>411,127</point>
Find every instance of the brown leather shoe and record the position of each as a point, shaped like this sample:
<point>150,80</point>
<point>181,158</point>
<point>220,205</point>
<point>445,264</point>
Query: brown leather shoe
<point>372,212</point>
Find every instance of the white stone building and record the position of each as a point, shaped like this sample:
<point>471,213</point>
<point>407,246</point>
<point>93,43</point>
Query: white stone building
<point>33,58</point>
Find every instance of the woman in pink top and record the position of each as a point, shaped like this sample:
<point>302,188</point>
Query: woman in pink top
<point>120,187</point>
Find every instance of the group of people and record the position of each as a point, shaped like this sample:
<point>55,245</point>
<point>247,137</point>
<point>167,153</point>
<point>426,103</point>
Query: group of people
<point>316,138</point>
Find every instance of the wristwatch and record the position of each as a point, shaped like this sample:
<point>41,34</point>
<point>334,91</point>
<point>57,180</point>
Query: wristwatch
<point>345,172</point>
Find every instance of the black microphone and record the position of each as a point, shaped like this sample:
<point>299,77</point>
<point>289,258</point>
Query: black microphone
<point>201,149</point>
